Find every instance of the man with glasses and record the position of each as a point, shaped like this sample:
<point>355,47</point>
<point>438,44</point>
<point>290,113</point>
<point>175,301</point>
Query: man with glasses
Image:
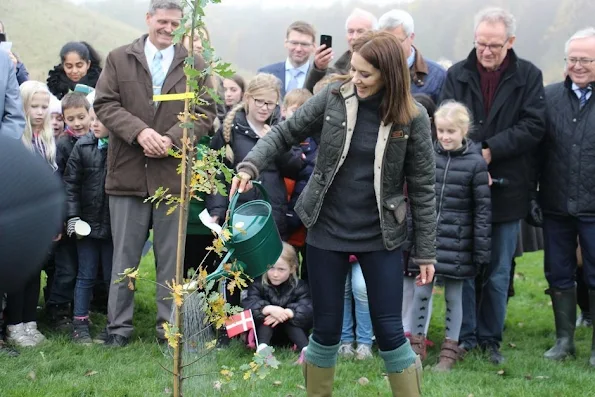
<point>427,77</point>
<point>506,98</point>
<point>299,42</point>
<point>567,189</point>
<point>358,23</point>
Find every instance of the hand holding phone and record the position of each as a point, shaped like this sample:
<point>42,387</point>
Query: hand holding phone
<point>324,53</point>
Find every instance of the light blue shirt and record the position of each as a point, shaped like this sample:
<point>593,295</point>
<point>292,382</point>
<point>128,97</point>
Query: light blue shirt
<point>578,92</point>
<point>411,58</point>
<point>301,79</point>
<point>168,55</point>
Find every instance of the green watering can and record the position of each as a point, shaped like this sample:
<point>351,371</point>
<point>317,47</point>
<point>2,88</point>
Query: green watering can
<point>255,243</point>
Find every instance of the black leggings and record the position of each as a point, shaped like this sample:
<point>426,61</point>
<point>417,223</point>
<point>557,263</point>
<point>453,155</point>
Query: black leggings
<point>383,272</point>
<point>295,334</point>
<point>21,307</point>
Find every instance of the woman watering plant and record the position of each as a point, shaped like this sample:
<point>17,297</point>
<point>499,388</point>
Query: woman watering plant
<point>372,138</point>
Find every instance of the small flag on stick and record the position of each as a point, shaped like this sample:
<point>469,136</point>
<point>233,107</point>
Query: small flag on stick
<point>239,323</point>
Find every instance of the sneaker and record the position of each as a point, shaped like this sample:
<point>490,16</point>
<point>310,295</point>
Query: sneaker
<point>261,347</point>
<point>363,351</point>
<point>102,337</point>
<point>493,352</point>
<point>115,340</point>
<point>33,332</point>
<point>346,350</point>
<point>80,332</point>
<point>584,320</point>
<point>60,317</point>
<point>17,335</point>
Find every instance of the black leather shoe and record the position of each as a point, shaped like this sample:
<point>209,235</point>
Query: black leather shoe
<point>115,340</point>
<point>493,352</point>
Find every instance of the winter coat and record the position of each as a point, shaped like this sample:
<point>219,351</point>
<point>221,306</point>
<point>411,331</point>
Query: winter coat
<point>427,77</point>
<point>463,208</point>
<point>289,295</point>
<point>84,179</point>
<point>60,85</point>
<point>124,104</point>
<point>402,152</point>
<point>512,130</point>
<point>287,164</point>
<point>341,66</point>
<point>64,146</point>
<point>309,149</point>
<point>567,183</point>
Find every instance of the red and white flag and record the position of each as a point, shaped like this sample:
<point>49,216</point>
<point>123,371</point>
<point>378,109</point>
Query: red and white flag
<point>239,323</point>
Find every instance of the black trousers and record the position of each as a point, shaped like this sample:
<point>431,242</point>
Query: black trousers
<point>383,272</point>
<point>61,291</point>
<point>295,334</point>
<point>195,251</point>
<point>582,291</point>
<point>21,307</point>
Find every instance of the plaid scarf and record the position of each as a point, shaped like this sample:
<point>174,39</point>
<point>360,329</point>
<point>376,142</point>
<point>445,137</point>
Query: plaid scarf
<point>41,149</point>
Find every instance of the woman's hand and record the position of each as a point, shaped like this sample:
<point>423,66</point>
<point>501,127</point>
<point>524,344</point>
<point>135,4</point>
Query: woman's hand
<point>425,276</point>
<point>241,183</point>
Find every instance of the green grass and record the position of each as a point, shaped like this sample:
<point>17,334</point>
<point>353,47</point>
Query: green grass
<point>58,368</point>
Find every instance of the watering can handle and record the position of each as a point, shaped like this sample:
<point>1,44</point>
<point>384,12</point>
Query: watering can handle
<point>236,196</point>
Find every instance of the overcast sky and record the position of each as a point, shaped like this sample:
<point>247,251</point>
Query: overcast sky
<point>288,3</point>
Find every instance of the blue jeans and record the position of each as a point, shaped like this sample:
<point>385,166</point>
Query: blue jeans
<point>355,289</point>
<point>560,234</point>
<point>483,320</point>
<point>383,272</point>
<point>91,253</point>
<point>64,277</point>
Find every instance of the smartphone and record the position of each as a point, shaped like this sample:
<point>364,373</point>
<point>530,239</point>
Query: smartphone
<point>2,37</point>
<point>6,45</point>
<point>326,40</point>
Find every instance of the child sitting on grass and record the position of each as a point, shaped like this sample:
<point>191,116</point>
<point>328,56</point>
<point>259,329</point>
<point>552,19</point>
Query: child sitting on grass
<point>281,303</point>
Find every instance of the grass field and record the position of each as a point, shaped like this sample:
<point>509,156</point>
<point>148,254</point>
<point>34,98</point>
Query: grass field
<point>60,369</point>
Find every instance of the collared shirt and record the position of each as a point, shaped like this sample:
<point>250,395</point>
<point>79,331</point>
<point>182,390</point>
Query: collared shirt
<point>577,91</point>
<point>301,79</point>
<point>168,55</point>
<point>411,58</point>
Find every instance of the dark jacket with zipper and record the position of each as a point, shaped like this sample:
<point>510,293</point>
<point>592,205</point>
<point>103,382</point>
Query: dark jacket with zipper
<point>463,208</point>
<point>512,130</point>
<point>341,66</point>
<point>567,183</point>
<point>84,179</point>
<point>287,164</point>
<point>403,152</point>
<point>64,146</point>
<point>292,294</point>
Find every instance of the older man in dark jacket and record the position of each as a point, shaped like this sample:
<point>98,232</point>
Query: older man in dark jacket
<point>567,188</point>
<point>506,98</point>
<point>142,132</point>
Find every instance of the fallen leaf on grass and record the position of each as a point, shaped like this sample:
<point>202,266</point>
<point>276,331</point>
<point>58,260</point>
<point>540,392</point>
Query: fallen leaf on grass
<point>528,377</point>
<point>277,383</point>
<point>542,377</point>
<point>301,387</point>
<point>521,325</point>
<point>363,381</point>
<point>167,391</point>
<point>31,375</point>
<point>512,345</point>
<point>91,373</point>
<point>501,372</point>
<point>470,395</point>
<point>217,385</point>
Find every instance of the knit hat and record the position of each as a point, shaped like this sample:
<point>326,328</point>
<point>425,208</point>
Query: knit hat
<point>91,98</point>
<point>55,105</point>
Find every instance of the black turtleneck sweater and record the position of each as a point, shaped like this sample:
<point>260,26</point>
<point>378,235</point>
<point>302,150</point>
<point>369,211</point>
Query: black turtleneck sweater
<point>349,220</point>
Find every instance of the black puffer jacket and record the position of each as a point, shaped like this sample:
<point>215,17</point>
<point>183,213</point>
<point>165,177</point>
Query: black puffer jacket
<point>64,146</point>
<point>288,165</point>
<point>567,185</point>
<point>59,84</point>
<point>464,212</point>
<point>289,295</point>
<point>84,179</point>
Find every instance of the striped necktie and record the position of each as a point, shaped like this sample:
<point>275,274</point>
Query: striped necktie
<point>583,99</point>
<point>157,73</point>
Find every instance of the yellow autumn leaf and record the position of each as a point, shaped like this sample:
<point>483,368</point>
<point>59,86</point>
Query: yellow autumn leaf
<point>231,286</point>
<point>177,292</point>
<point>247,375</point>
<point>171,334</point>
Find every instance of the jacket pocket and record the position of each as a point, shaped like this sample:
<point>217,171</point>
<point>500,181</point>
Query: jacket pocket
<point>398,206</point>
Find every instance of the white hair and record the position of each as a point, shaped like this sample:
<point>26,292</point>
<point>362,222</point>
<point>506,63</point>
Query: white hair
<point>164,5</point>
<point>395,18</point>
<point>359,13</point>
<point>497,15</point>
<point>581,34</point>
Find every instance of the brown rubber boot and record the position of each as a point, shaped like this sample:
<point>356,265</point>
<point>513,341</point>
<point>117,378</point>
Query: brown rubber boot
<point>450,353</point>
<point>418,344</point>
<point>319,381</point>
<point>408,382</point>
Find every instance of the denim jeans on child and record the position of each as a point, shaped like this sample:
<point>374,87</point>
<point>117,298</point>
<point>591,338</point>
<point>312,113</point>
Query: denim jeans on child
<point>355,290</point>
<point>91,254</point>
<point>483,322</point>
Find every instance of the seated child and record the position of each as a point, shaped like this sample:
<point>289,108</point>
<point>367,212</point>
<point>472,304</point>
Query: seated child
<point>281,303</point>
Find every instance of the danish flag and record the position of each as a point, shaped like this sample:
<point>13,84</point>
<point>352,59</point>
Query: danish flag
<point>239,323</point>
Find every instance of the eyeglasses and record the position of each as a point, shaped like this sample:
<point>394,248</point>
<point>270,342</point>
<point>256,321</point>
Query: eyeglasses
<point>261,102</point>
<point>303,44</point>
<point>581,61</point>
<point>494,48</point>
<point>402,40</point>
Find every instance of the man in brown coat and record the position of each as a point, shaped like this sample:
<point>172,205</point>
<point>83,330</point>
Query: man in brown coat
<point>141,133</point>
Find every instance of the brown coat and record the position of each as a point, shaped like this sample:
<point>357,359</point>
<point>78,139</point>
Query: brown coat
<point>125,106</point>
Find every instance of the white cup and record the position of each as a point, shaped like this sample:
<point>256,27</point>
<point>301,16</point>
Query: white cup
<point>82,229</point>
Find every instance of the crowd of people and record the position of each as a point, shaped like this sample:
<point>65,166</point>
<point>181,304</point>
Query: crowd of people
<point>387,173</point>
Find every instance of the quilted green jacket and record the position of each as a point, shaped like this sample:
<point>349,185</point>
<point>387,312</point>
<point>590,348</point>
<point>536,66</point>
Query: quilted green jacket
<point>404,153</point>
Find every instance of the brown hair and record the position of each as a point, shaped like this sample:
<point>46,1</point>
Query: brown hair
<point>74,100</point>
<point>239,80</point>
<point>289,257</point>
<point>303,28</point>
<point>298,97</point>
<point>383,51</point>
